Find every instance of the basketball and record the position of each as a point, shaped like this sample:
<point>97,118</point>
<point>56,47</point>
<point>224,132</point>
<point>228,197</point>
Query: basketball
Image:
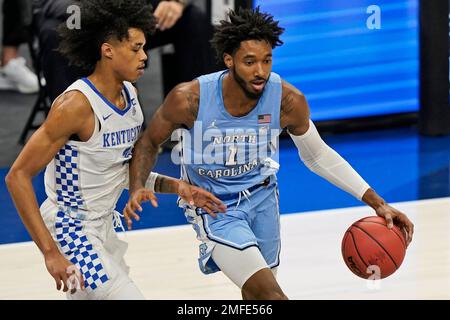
<point>371,250</point>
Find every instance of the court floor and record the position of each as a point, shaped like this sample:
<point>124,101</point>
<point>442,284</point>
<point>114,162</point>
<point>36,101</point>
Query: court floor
<point>164,265</point>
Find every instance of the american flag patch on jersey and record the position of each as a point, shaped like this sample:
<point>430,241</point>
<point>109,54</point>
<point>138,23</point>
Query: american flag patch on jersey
<point>264,118</point>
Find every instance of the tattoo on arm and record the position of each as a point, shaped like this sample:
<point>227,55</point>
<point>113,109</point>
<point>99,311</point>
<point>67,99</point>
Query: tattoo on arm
<point>164,184</point>
<point>287,104</point>
<point>142,162</point>
<point>159,183</point>
<point>193,100</point>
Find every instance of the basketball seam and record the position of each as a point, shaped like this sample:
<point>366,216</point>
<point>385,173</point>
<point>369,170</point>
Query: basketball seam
<point>401,238</point>
<point>357,251</point>
<point>343,243</point>
<point>396,267</point>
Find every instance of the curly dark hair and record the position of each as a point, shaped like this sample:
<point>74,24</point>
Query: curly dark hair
<point>245,24</point>
<point>102,20</point>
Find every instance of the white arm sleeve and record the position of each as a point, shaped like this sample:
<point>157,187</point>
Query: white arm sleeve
<point>150,183</point>
<point>327,163</point>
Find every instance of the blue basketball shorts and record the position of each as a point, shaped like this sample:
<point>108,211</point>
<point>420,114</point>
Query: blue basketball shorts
<point>250,220</point>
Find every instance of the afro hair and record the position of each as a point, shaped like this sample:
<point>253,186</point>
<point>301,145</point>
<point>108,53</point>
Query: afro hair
<point>102,20</point>
<point>245,24</point>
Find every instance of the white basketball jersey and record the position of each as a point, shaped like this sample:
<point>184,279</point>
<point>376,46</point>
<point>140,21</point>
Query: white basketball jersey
<point>91,175</point>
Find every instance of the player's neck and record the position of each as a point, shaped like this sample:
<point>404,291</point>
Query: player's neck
<point>234,98</point>
<point>108,85</point>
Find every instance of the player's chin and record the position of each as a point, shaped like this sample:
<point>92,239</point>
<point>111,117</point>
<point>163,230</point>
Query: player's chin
<point>140,72</point>
<point>135,76</point>
<point>256,92</point>
<point>257,88</point>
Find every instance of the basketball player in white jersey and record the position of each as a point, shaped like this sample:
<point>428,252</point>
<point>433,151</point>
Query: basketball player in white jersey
<point>241,111</point>
<point>86,143</point>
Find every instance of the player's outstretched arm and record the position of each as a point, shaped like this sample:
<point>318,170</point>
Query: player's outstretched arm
<point>175,112</point>
<point>193,195</point>
<point>327,163</point>
<point>178,109</point>
<point>67,116</point>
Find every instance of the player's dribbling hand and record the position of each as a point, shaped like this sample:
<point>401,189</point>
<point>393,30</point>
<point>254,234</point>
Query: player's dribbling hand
<point>134,203</point>
<point>63,271</point>
<point>394,216</point>
<point>200,198</point>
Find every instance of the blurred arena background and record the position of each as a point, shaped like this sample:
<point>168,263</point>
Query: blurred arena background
<point>379,93</point>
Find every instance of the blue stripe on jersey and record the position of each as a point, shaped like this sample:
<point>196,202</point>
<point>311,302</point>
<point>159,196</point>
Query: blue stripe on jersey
<point>67,177</point>
<point>78,248</point>
<point>226,154</point>
<point>112,106</point>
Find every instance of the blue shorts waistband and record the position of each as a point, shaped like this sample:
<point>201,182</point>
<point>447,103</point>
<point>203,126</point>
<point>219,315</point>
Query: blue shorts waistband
<point>232,196</point>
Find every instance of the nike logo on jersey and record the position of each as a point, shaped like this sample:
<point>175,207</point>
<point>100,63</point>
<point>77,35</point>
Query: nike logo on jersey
<point>106,117</point>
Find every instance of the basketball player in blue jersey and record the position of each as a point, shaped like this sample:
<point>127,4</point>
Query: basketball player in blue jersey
<point>231,121</point>
<point>85,144</point>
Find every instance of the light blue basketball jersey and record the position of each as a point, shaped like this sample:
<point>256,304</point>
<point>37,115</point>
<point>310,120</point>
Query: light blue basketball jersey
<point>225,154</point>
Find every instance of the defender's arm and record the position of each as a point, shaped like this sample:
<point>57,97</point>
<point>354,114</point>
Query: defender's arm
<point>70,114</point>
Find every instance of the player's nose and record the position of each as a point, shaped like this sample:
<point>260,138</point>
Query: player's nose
<point>143,56</point>
<point>259,71</point>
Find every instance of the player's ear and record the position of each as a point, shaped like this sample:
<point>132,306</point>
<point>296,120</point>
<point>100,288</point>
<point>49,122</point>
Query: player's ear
<point>228,60</point>
<point>107,50</point>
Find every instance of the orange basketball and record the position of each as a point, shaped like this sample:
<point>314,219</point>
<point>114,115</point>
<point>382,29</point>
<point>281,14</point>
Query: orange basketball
<point>371,250</point>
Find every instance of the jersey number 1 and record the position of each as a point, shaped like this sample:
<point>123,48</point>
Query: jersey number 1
<point>232,157</point>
